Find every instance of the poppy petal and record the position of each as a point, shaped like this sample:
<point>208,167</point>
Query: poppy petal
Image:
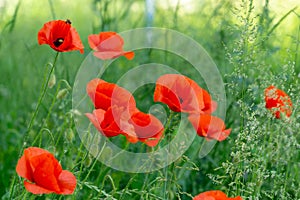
<point>108,45</point>
<point>180,93</point>
<point>60,36</point>
<point>67,182</point>
<point>146,125</point>
<point>23,169</point>
<point>165,95</point>
<point>36,189</point>
<point>129,55</point>
<point>93,40</point>
<point>153,141</point>
<point>91,90</point>
<point>76,41</point>
<point>148,128</point>
<point>94,120</point>
<point>278,102</point>
<point>210,127</point>
<point>105,95</point>
<point>44,33</point>
<point>215,195</point>
<point>106,55</point>
<point>44,174</point>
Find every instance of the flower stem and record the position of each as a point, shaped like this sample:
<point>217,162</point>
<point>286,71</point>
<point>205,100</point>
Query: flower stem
<point>167,127</point>
<point>41,97</point>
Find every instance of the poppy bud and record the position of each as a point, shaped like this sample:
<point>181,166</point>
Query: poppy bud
<point>62,93</point>
<point>88,161</point>
<point>52,81</point>
<point>69,135</point>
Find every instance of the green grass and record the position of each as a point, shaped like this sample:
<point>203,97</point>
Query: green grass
<point>253,46</point>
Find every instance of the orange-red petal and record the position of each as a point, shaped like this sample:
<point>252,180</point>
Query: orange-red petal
<point>210,127</point>
<point>66,182</point>
<point>105,95</point>
<point>182,94</point>
<point>60,36</point>
<point>215,195</point>
<point>36,189</point>
<point>146,125</point>
<point>278,102</point>
<point>45,174</point>
<point>148,128</point>
<point>24,166</point>
<point>108,45</point>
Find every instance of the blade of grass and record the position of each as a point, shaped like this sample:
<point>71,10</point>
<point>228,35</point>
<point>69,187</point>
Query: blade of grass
<point>281,20</point>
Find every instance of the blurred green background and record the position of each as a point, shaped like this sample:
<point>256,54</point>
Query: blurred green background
<point>270,29</point>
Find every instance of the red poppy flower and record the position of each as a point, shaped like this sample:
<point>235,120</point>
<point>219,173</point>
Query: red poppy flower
<point>44,174</point>
<point>108,45</point>
<point>60,36</point>
<point>147,127</point>
<point>113,122</point>
<point>278,102</point>
<point>105,95</point>
<point>137,127</point>
<point>182,94</point>
<point>215,195</point>
<point>210,127</point>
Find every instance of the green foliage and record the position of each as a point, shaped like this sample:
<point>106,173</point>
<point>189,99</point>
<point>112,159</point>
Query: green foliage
<point>253,48</point>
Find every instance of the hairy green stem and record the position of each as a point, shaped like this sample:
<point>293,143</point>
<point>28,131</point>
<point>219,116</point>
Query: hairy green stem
<point>41,97</point>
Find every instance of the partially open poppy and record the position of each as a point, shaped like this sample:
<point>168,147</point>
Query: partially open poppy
<point>182,94</point>
<point>43,173</point>
<point>105,95</point>
<point>108,45</point>
<point>112,122</point>
<point>136,127</point>
<point>278,102</point>
<point>215,195</point>
<point>60,36</point>
<point>208,126</point>
<point>148,128</point>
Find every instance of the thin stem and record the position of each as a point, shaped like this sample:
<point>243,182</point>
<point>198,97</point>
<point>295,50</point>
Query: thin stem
<point>168,125</point>
<point>94,163</point>
<point>44,90</point>
<point>41,97</point>
<point>52,9</point>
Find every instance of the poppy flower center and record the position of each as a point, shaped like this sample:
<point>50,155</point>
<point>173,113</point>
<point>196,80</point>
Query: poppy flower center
<point>180,100</point>
<point>58,42</point>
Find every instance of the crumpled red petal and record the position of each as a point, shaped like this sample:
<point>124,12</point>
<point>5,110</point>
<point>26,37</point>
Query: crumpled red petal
<point>108,45</point>
<point>66,182</point>
<point>215,195</point>
<point>148,128</point>
<point>182,94</point>
<point>44,173</point>
<point>36,189</point>
<point>105,95</point>
<point>278,102</point>
<point>210,127</point>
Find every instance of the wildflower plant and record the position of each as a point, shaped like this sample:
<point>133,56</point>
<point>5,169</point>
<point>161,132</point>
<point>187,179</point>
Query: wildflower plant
<point>149,113</point>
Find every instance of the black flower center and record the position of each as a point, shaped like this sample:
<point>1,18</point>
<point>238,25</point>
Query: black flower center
<point>58,42</point>
<point>180,100</point>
